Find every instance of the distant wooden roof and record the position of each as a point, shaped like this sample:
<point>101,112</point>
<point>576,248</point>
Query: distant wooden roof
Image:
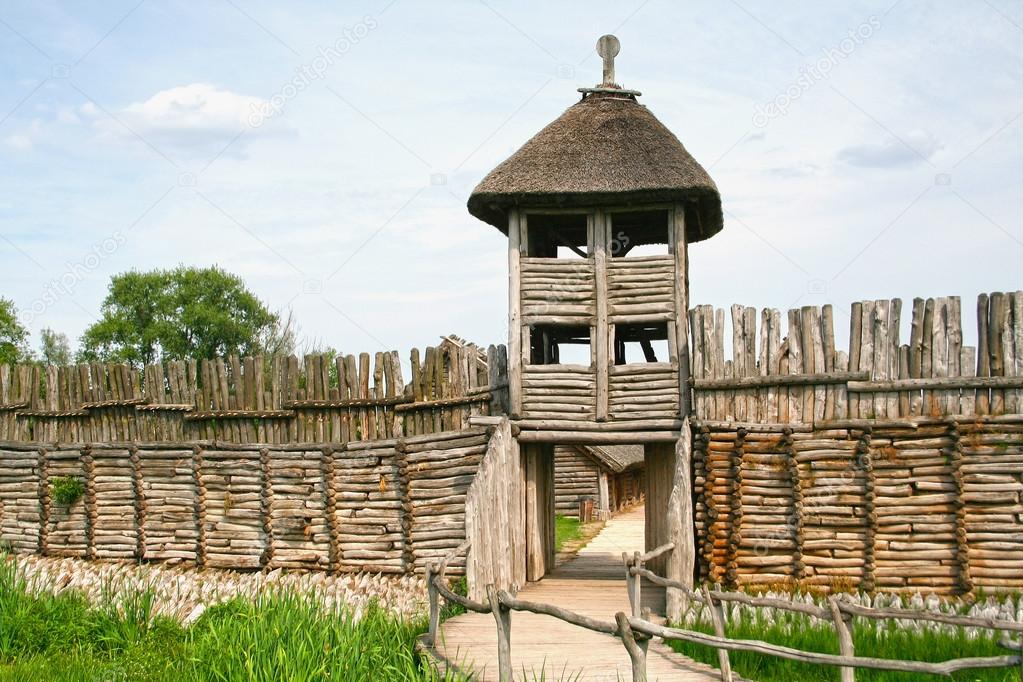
<point>617,458</point>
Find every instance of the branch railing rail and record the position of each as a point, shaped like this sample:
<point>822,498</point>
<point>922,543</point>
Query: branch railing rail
<point>635,632</point>
<point>501,603</point>
<point>839,612</point>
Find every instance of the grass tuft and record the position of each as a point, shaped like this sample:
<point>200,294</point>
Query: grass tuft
<point>66,490</point>
<point>566,529</point>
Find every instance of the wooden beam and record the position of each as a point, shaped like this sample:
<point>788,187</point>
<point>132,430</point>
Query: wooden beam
<point>936,382</point>
<point>781,380</point>
<point>598,437</point>
<point>622,425</point>
<point>516,227</point>
<point>681,295</point>
<point>599,229</point>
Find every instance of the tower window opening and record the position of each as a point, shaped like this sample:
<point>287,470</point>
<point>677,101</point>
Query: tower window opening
<point>639,233</point>
<point>643,342</point>
<point>562,235</point>
<point>556,344</point>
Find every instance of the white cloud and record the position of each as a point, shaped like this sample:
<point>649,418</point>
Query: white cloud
<point>19,142</point>
<point>25,141</point>
<point>914,147</point>
<point>193,119</point>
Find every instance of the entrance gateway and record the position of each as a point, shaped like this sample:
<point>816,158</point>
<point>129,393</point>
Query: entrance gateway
<point>599,208</point>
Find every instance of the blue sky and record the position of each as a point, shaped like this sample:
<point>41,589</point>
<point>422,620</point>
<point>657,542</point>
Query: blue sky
<point>324,151</point>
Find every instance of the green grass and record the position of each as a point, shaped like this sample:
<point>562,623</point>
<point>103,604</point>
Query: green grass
<point>566,529</point>
<point>880,640</point>
<point>278,637</point>
<point>66,490</point>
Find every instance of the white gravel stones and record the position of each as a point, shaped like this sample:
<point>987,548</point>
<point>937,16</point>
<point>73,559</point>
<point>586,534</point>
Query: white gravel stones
<point>183,593</point>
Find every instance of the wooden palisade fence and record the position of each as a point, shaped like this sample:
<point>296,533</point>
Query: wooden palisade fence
<point>793,373</point>
<point>893,466</point>
<point>250,464</point>
<point>278,399</point>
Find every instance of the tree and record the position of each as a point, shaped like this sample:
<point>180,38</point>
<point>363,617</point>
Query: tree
<point>175,314</point>
<point>13,336</point>
<point>54,348</point>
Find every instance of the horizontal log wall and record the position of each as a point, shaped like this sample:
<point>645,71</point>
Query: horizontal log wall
<point>559,392</point>
<point>641,288</point>
<point>787,369</point>
<point>380,506</point>
<point>935,505</point>
<point>643,391</point>
<point>557,290</point>
<point>277,399</point>
<point>576,478</point>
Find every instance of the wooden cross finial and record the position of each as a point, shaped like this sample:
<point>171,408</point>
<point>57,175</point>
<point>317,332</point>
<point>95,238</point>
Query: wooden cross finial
<point>608,48</point>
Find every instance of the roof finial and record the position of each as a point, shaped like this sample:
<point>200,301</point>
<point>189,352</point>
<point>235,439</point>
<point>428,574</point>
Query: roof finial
<point>608,47</point>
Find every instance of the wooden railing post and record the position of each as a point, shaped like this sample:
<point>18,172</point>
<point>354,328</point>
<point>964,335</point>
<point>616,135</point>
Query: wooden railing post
<point>431,591</point>
<point>843,629</point>
<point>1019,651</point>
<point>631,584</point>
<point>635,587</point>
<point>717,618</point>
<point>635,645</point>
<point>502,614</point>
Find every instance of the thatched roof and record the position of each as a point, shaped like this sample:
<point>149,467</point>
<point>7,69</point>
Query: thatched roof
<point>617,458</point>
<point>607,149</point>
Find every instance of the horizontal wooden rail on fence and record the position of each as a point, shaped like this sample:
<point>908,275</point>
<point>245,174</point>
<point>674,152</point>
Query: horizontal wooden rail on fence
<point>781,380</point>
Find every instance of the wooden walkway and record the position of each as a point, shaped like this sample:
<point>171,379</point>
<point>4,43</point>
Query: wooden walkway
<point>593,584</point>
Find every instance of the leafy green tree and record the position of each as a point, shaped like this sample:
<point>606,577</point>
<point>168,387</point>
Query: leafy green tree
<point>54,348</point>
<point>174,314</point>
<point>13,336</point>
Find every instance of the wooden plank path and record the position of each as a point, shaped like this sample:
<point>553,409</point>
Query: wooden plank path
<point>593,584</point>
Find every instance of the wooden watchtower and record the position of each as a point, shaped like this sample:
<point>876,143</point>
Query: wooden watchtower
<point>599,208</point>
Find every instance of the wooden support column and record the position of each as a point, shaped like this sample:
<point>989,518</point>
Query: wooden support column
<point>681,561</point>
<point>601,332</point>
<point>538,461</point>
<point>660,467</point>
<point>604,495</point>
<point>681,289</point>
<point>516,227</point>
